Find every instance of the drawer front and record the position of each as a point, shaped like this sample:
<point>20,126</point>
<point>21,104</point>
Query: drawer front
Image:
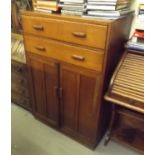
<point>19,89</point>
<point>20,80</point>
<point>18,68</point>
<point>66,53</point>
<point>73,32</point>
<point>20,100</point>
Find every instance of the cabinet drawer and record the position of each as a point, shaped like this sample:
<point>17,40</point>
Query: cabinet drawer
<point>18,68</point>
<point>19,89</point>
<point>66,53</point>
<point>20,80</point>
<point>73,32</point>
<point>20,100</point>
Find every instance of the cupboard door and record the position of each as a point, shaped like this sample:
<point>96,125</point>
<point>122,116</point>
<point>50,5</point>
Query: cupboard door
<point>80,101</point>
<point>44,81</point>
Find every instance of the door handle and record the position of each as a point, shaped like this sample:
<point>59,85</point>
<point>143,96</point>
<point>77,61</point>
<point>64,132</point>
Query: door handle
<point>79,34</point>
<point>78,57</point>
<point>38,27</point>
<point>56,94</point>
<point>60,92</point>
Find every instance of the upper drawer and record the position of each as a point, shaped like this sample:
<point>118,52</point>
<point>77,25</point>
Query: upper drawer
<point>64,52</point>
<point>73,32</point>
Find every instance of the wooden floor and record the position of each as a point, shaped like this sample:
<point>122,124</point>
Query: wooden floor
<point>31,137</point>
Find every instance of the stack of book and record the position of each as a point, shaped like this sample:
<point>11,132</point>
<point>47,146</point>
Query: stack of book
<point>47,6</point>
<point>137,41</point>
<point>72,7</point>
<point>107,9</point>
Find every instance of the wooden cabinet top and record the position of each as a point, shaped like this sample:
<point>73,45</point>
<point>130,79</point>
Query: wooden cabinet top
<point>71,18</point>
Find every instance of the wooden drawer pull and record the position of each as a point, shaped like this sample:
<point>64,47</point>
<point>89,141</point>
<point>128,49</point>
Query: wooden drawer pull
<point>77,57</point>
<point>38,27</point>
<point>40,48</point>
<point>79,34</point>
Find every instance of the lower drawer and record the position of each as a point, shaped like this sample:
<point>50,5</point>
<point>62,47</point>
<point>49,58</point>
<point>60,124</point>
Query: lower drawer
<point>20,100</point>
<point>19,79</point>
<point>18,68</point>
<point>67,53</point>
<point>20,89</point>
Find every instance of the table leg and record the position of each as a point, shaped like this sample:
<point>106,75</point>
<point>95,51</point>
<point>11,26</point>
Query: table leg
<point>108,134</point>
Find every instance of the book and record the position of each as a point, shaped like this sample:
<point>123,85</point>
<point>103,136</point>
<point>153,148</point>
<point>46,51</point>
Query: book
<point>51,2</point>
<point>108,2</point>
<point>105,7</point>
<point>116,13</point>
<point>51,5</point>
<point>75,13</point>
<point>42,10</point>
<point>101,17</point>
<point>73,1</point>
<point>135,46</point>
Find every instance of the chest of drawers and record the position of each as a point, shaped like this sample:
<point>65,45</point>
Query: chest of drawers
<point>19,83</point>
<point>70,60</point>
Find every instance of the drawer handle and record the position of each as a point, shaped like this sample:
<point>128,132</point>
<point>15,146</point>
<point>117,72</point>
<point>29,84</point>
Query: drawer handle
<point>40,48</point>
<point>77,57</point>
<point>38,27</point>
<point>79,34</point>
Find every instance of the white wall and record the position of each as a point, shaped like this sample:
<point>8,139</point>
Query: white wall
<point>134,6</point>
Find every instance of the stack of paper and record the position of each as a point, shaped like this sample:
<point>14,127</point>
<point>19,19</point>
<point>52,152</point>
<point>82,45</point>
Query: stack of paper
<point>70,7</point>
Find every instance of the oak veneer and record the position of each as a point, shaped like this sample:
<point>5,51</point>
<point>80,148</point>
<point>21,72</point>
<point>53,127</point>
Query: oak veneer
<point>70,61</point>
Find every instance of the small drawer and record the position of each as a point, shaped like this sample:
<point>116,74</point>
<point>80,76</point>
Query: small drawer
<point>74,32</point>
<point>66,53</point>
<point>20,89</point>
<point>19,79</point>
<point>18,68</point>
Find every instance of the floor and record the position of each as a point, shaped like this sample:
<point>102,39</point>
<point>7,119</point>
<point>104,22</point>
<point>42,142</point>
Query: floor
<point>31,137</point>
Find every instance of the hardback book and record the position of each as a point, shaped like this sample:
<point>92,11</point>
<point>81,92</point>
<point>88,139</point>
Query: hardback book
<point>47,2</point>
<point>75,13</point>
<point>106,7</point>
<point>101,17</point>
<point>48,8</point>
<point>108,2</point>
<point>42,10</point>
<point>51,5</point>
<point>116,13</point>
<point>72,7</point>
<point>73,1</point>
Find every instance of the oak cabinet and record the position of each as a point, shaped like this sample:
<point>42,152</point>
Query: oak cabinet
<point>70,61</point>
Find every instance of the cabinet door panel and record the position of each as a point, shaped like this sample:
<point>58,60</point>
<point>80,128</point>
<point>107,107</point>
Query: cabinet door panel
<point>44,76</point>
<point>51,83</point>
<point>87,106</point>
<point>39,87</point>
<point>80,101</point>
<point>69,85</point>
